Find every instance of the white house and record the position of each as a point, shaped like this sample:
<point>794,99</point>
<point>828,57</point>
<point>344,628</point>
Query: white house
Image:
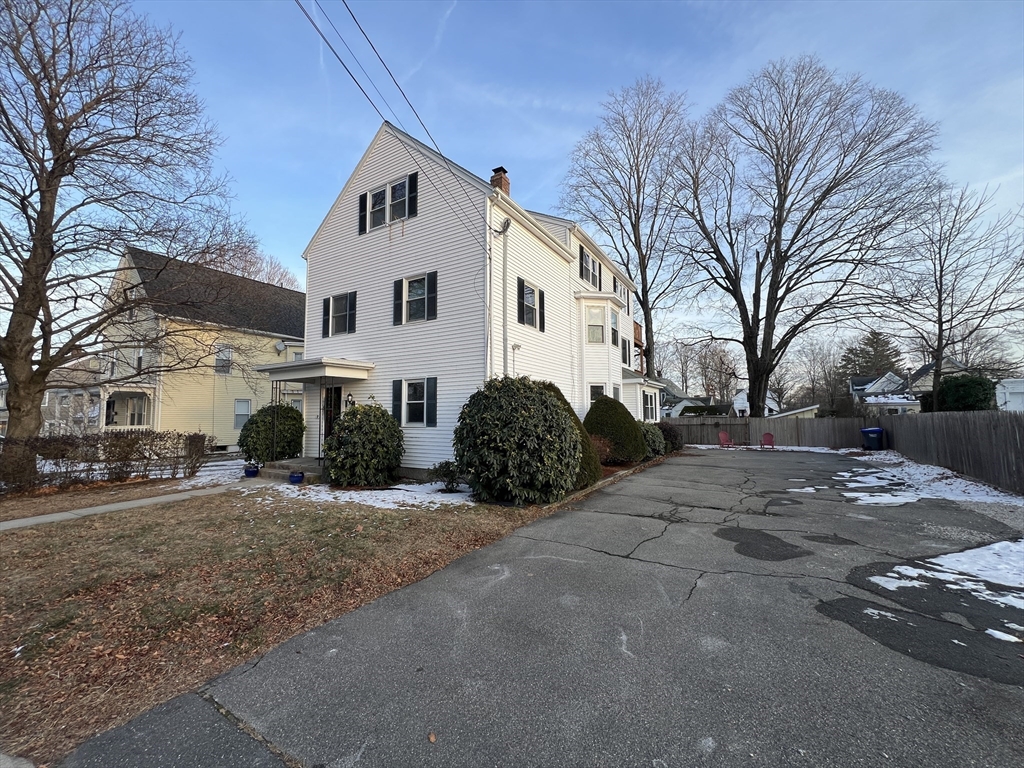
<point>1010,395</point>
<point>424,280</point>
<point>741,406</point>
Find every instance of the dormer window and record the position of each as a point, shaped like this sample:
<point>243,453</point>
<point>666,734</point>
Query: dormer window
<point>387,204</point>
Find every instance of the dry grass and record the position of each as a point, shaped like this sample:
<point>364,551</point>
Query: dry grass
<point>112,614</point>
<point>49,499</point>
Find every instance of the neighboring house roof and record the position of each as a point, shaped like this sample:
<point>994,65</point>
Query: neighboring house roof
<point>859,383</point>
<point>671,388</point>
<point>793,412</point>
<point>949,365</point>
<point>890,399</point>
<point>632,377</point>
<point>201,294</point>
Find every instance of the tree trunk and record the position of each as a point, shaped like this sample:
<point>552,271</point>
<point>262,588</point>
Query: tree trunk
<point>648,341</point>
<point>25,419</point>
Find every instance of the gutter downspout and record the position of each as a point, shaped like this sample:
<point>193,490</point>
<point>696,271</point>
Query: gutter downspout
<point>504,296</point>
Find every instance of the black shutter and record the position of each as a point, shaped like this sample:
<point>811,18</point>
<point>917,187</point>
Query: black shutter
<point>352,312</point>
<point>615,284</point>
<point>399,294</point>
<point>413,193</point>
<point>396,399</point>
<point>599,275</point>
<point>362,214</point>
<point>431,295</point>
<point>431,420</point>
<point>521,300</point>
<point>326,329</point>
<point>583,271</point>
<point>540,310</point>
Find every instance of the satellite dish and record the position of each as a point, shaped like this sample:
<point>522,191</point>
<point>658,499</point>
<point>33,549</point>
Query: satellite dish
<point>280,346</point>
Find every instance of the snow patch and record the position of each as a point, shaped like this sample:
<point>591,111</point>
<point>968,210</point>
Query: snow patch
<point>894,584</point>
<point>1003,636</point>
<point>406,496</point>
<point>999,563</point>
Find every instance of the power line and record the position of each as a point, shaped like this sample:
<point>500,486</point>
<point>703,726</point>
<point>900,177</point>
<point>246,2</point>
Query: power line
<point>428,176</point>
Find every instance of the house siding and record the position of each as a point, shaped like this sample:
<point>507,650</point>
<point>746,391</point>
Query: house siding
<point>450,347</point>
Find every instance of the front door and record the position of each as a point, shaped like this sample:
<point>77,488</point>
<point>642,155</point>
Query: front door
<point>332,409</point>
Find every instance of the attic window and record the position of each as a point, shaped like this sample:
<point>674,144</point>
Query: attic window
<point>392,202</point>
<point>590,269</point>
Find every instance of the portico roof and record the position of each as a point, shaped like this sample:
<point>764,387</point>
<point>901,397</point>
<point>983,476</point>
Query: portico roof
<point>317,368</point>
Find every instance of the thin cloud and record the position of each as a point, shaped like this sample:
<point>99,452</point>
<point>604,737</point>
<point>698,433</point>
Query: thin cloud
<point>438,36</point>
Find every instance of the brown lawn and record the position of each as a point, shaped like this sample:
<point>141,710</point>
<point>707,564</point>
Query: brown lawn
<point>43,501</point>
<point>105,617</point>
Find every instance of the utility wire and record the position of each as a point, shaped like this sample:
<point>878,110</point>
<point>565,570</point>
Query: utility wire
<point>401,91</point>
<point>457,214</point>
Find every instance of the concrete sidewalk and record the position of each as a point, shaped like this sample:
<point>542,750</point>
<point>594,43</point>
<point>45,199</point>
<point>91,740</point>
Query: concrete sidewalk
<point>679,617</point>
<point>120,506</point>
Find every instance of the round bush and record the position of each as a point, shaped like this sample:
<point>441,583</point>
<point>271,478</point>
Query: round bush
<point>365,447</point>
<point>273,433</point>
<point>653,438</point>
<point>673,436</point>
<point>590,464</point>
<point>609,418</point>
<point>516,444</point>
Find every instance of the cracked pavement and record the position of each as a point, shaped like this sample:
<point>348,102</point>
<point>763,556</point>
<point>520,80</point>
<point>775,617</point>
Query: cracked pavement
<point>697,613</point>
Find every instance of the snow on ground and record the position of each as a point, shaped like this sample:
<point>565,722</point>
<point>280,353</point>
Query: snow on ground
<point>999,563</point>
<point>427,495</point>
<point>213,473</point>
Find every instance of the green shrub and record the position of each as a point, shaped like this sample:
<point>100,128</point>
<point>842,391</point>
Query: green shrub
<point>590,464</point>
<point>609,418</point>
<point>516,443</point>
<point>365,447</point>
<point>447,472</point>
<point>673,436</point>
<point>962,392</point>
<point>273,433</point>
<point>653,438</point>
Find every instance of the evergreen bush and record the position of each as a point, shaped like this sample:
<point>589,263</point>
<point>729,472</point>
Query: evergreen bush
<point>447,472</point>
<point>673,436</point>
<point>653,438</point>
<point>262,440</point>
<point>590,464</point>
<point>609,418</point>
<point>365,447</point>
<point>516,443</point>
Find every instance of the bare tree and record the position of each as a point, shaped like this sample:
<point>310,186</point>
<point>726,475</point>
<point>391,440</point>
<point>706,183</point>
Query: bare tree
<point>256,265</point>
<point>817,362</point>
<point>103,146</point>
<point>961,283</point>
<point>621,181</point>
<point>717,367</point>
<point>791,191</point>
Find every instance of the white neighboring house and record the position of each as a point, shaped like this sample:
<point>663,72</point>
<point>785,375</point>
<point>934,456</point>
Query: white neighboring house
<point>741,406</point>
<point>424,281</point>
<point>893,404</point>
<point>1010,395</point>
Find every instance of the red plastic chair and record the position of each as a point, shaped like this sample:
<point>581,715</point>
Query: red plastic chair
<point>724,441</point>
<point>767,440</point>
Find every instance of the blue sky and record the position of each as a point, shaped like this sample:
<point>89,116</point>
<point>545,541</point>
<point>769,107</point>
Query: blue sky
<point>518,83</point>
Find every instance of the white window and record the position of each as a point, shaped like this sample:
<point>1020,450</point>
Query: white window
<point>615,327</point>
<point>378,207</point>
<point>297,404</point>
<point>243,408</point>
<point>622,291</point>
<point>649,406</point>
<point>137,359</point>
<point>616,392</point>
<point>595,325</point>
<point>136,411</point>
<point>296,356</point>
<point>590,269</point>
<point>625,351</point>
<point>596,390</point>
<point>529,305</point>
<point>398,196</point>
<point>391,202</point>
<point>415,401</point>
<point>340,313</point>
<point>416,299</point>
<point>222,360</point>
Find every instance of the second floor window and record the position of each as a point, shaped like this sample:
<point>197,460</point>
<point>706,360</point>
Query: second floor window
<point>626,352</point>
<point>415,299</point>
<point>222,360</point>
<point>530,305</point>
<point>615,328</point>
<point>590,269</point>
<point>595,325</point>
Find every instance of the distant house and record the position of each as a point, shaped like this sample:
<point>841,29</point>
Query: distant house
<point>1010,395</point>
<point>885,394</point>
<point>222,324</point>
<point>741,406</point>
<point>892,404</point>
<point>808,412</point>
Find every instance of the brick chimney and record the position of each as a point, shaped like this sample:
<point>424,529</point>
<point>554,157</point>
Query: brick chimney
<point>500,180</point>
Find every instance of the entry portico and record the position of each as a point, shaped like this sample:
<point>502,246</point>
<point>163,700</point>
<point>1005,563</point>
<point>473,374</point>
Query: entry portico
<point>323,382</point>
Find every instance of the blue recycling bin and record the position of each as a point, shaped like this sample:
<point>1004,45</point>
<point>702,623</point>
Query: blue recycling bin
<point>873,437</point>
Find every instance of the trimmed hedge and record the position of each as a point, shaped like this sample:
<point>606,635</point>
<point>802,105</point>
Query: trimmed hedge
<point>365,447</point>
<point>653,438</point>
<point>590,464</point>
<point>516,444</point>
<point>609,418</point>
<point>261,440</point>
<point>673,436</point>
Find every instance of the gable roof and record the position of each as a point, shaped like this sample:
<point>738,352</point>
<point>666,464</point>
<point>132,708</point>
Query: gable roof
<point>185,291</point>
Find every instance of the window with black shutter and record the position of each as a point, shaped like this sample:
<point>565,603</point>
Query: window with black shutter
<point>392,202</point>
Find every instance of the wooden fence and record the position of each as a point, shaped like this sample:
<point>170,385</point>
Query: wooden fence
<point>987,445</point>
<point>825,433</point>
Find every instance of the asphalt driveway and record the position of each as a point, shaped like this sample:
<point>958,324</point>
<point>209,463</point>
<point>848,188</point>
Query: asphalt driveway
<point>699,613</point>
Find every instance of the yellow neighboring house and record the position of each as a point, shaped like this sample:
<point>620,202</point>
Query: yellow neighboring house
<point>184,358</point>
